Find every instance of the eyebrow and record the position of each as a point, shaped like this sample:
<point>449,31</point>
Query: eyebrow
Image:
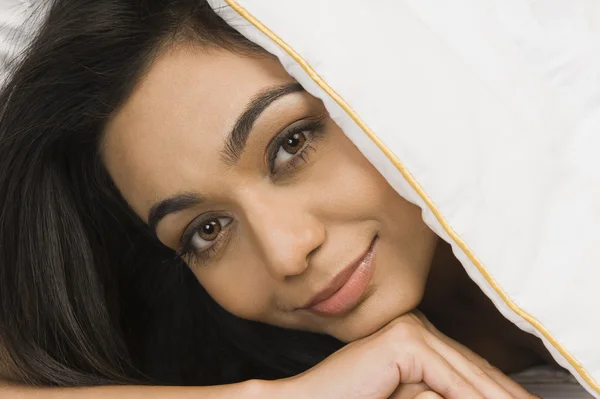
<point>172,204</point>
<point>236,141</point>
<point>231,153</point>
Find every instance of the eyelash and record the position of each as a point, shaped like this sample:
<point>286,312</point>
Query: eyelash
<point>188,252</point>
<point>315,127</point>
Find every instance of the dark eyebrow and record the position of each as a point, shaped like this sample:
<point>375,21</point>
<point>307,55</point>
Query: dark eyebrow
<point>238,136</point>
<point>173,204</point>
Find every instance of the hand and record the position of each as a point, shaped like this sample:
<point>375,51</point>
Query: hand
<point>407,358</point>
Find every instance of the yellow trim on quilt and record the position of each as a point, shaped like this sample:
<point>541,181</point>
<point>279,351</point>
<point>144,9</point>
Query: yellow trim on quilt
<point>415,185</point>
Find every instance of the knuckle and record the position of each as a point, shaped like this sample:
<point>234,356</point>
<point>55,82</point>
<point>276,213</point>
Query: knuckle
<point>484,364</point>
<point>400,332</point>
<point>478,371</point>
<point>458,383</point>
<point>490,369</point>
<point>457,387</point>
<point>410,370</point>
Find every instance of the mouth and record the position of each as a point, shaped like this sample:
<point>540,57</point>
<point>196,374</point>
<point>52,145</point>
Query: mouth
<point>346,289</point>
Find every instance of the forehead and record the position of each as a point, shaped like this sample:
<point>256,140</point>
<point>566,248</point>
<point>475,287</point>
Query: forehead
<point>179,115</point>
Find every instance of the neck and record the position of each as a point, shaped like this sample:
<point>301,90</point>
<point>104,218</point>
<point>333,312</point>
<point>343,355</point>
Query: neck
<point>459,309</point>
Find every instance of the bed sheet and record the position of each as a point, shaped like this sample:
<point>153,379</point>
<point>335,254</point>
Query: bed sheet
<point>551,383</point>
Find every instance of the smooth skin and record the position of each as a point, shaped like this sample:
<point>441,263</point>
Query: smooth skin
<point>278,215</point>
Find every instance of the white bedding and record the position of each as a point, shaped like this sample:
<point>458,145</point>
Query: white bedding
<point>14,16</point>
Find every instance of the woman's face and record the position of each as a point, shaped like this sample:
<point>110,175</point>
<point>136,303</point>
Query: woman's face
<point>234,165</point>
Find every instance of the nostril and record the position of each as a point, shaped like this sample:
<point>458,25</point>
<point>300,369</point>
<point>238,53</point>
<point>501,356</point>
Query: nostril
<point>312,253</point>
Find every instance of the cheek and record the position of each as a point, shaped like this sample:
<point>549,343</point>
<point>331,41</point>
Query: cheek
<point>348,181</point>
<point>239,285</point>
<point>360,186</point>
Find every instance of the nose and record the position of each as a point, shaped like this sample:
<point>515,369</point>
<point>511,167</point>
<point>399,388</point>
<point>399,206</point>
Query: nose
<point>286,233</point>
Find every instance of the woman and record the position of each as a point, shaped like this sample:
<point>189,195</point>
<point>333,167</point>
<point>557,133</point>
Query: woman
<point>145,146</point>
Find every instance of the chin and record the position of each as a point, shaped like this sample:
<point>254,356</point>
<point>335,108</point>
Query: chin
<point>375,313</point>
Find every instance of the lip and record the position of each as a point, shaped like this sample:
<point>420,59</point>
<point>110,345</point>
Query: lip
<point>346,289</point>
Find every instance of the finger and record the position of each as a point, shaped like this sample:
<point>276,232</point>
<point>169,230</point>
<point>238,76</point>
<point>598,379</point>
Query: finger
<point>440,376</point>
<point>409,391</point>
<point>471,371</point>
<point>428,395</point>
<point>509,385</point>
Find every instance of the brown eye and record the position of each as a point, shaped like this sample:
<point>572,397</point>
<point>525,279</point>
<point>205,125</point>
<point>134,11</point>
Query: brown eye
<point>207,232</point>
<point>210,230</point>
<point>290,145</point>
<point>294,143</point>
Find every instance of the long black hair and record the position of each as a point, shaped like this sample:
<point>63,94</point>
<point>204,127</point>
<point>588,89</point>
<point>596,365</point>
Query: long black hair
<point>87,295</point>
